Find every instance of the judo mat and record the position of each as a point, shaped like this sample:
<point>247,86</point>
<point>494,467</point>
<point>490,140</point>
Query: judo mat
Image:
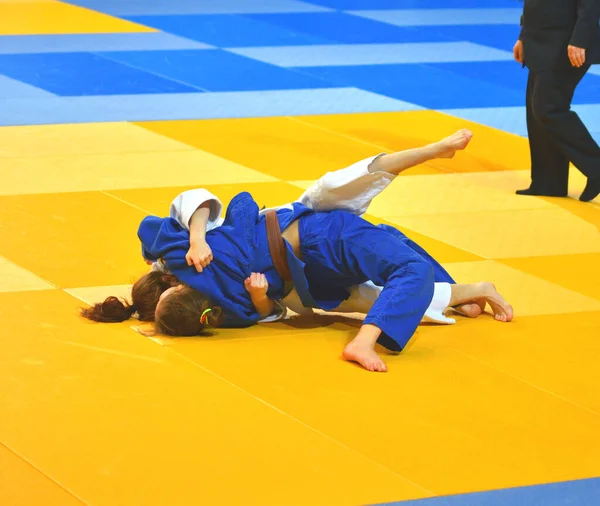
<point>110,108</point>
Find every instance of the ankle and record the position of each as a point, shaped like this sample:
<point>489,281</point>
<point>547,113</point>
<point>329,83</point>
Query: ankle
<point>367,336</point>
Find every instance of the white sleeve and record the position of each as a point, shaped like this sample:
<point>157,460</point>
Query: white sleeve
<point>350,189</point>
<point>159,266</point>
<point>186,204</point>
<point>279,313</point>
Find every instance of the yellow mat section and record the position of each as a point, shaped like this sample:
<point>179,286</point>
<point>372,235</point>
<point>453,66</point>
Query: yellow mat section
<point>102,415</point>
<point>45,18</point>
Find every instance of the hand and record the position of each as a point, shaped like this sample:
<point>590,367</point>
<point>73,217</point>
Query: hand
<point>576,55</point>
<point>256,285</point>
<point>518,51</point>
<point>200,255</point>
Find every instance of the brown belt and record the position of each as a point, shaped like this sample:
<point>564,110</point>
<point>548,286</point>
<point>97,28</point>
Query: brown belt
<point>277,246</point>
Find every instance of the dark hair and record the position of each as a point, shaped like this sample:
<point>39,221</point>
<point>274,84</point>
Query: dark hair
<point>181,313</point>
<point>144,295</point>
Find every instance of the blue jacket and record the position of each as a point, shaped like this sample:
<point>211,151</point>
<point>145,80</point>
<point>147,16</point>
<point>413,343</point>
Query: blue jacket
<point>239,247</point>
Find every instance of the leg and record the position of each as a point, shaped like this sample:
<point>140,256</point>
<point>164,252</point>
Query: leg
<point>396,163</point>
<point>549,165</point>
<point>362,349</point>
<point>552,98</point>
<point>438,304</point>
<point>485,292</point>
<point>363,296</point>
<point>353,188</point>
<point>340,249</point>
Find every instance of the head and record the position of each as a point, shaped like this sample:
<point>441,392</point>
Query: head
<point>183,311</point>
<point>145,295</point>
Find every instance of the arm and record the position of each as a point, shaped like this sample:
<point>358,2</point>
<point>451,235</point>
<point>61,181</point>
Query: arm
<point>588,14</point>
<point>199,254</point>
<point>264,306</point>
<point>257,286</point>
<point>185,205</point>
<point>521,31</point>
<point>269,310</point>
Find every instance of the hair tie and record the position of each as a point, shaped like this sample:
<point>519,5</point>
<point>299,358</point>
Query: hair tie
<point>203,317</point>
<point>133,309</point>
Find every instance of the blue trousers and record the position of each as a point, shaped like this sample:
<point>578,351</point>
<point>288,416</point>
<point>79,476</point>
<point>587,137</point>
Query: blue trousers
<point>341,250</point>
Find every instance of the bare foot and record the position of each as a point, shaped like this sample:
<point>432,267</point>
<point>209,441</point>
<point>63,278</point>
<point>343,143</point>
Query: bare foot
<point>365,355</point>
<point>503,311</point>
<point>456,142</point>
<point>471,309</point>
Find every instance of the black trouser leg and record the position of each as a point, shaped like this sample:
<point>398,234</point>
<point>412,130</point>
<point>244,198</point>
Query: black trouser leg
<point>549,165</point>
<point>551,106</point>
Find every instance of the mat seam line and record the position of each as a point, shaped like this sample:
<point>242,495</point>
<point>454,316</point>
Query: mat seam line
<point>300,422</point>
<point>529,383</point>
<point>57,483</point>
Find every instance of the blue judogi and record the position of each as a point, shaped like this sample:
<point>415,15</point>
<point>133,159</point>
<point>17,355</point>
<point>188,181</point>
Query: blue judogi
<point>339,250</point>
<point>239,247</point>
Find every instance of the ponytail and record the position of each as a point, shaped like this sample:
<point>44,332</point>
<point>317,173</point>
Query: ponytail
<point>145,294</point>
<point>112,310</point>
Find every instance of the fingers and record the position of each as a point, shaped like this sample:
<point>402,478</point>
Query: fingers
<point>256,281</point>
<point>518,52</point>
<point>517,55</point>
<point>576,56</point>
<point>199,260</point>
<point>260,280</point>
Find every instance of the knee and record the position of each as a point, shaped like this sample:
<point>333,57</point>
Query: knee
<point>542,111</point>
<point>547,111</point>
<point>424,273</point>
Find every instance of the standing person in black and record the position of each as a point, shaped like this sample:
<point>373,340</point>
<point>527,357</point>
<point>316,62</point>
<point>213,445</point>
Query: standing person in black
<point>559,41</point>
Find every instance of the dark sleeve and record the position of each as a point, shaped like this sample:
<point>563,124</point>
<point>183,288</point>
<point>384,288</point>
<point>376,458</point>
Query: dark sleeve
<point>521,32</point>
<point>586,28</point>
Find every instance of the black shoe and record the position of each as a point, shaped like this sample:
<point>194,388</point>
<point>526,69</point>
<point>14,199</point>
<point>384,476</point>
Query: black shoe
<point>536,193</point>
<point>592,190</point>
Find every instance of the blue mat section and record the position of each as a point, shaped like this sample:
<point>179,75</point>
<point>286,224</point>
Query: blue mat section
<point>425,85</point>
<point>373,54</point>
<point>217,70</point>
<point>89,43</point>
<point>229,30</point>
<point>570,493</point>
<point>342,28</point>
<point>450,55</point>
<point>77,74</point>
<point>195,106</point>
<point>161,7</point>
<point>444,17</point>
<point>498,36</point>
<point>503,73</point>
<point>412,4</point>
<point>10,88</point>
